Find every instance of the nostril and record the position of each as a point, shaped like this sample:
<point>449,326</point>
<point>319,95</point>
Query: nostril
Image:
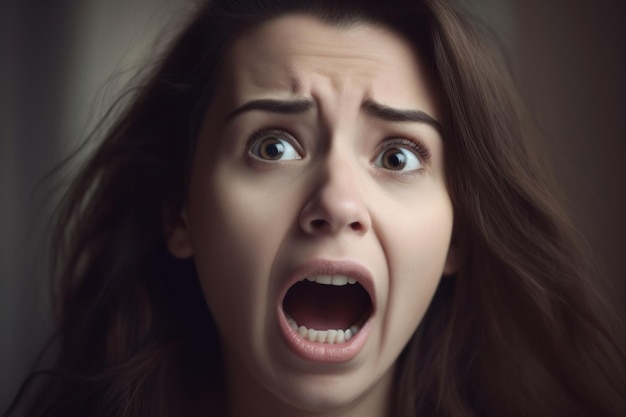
<point>356,226</point>
<point>321,224</point>
<point>318,224</point>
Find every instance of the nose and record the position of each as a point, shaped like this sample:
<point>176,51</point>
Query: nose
<point>335,204</point>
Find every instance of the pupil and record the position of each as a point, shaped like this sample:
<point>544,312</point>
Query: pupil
<point>395,160</point>
<point>273,150</point>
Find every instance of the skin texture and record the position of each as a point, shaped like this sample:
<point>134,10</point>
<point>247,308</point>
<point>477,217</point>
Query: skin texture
<point>250,222</point>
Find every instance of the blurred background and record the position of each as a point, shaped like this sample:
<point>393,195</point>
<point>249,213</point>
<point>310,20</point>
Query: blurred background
<point>62,63</point>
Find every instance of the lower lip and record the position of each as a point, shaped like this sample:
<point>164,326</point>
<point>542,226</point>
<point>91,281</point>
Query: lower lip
<point>324,352</point>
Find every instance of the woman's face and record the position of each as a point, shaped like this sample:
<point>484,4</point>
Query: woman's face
<point>318,209</point>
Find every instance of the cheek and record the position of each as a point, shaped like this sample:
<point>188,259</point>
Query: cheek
<point>417,258</point>
<point>236,232</point>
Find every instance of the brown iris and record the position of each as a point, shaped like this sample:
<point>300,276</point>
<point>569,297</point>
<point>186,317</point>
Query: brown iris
<point>272,149</point>
<point>393,159</point>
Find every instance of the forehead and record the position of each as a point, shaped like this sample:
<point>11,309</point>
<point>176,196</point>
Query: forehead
<point>297,55</point>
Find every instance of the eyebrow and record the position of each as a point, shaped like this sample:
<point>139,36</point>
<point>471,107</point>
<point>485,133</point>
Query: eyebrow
<point>371,107</point>
<point>391,114</point>
<point>274,106</point>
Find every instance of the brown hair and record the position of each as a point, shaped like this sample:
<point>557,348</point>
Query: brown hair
<point>520,330</point>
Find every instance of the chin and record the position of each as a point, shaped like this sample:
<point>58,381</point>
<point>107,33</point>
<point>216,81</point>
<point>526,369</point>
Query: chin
<point>317,393</point>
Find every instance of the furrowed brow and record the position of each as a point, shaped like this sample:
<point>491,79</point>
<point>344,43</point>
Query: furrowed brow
<point>274,106</point>
<point>383,112</point>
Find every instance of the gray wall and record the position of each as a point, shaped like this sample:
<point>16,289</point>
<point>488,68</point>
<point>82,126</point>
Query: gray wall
<point>571,58</point>
<point>57,58</point>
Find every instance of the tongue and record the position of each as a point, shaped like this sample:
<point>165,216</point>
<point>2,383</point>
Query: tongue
<point>323,307</point>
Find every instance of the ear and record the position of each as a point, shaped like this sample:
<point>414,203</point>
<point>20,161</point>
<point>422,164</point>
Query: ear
<point>179,238</point>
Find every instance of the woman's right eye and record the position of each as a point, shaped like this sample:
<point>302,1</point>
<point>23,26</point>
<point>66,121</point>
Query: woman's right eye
<point>272,146</point>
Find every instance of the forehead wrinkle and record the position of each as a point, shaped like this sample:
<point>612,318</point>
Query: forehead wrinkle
<point>304,66</point>
<point>325,60</point>
<point>352,78</point>
<point>324,54</point>
<point>277,65</point>
<point>335,96</point>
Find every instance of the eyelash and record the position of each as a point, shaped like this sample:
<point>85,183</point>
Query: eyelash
<point>414,145</point>
<point>283,134</point>
<point>257,134</point>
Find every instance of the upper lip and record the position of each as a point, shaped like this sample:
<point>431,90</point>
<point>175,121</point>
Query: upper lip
<point>333,267</point>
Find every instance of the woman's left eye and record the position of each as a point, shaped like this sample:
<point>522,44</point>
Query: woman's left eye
<point>398,159</point>
<point>272,146</point>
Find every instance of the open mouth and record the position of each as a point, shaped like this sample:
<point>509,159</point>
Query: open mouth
<point>327,308</point>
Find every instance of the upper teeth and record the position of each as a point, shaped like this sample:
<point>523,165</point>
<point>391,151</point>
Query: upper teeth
<point>338,280</point>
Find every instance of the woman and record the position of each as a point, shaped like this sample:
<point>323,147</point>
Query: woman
<point>324,208</point>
